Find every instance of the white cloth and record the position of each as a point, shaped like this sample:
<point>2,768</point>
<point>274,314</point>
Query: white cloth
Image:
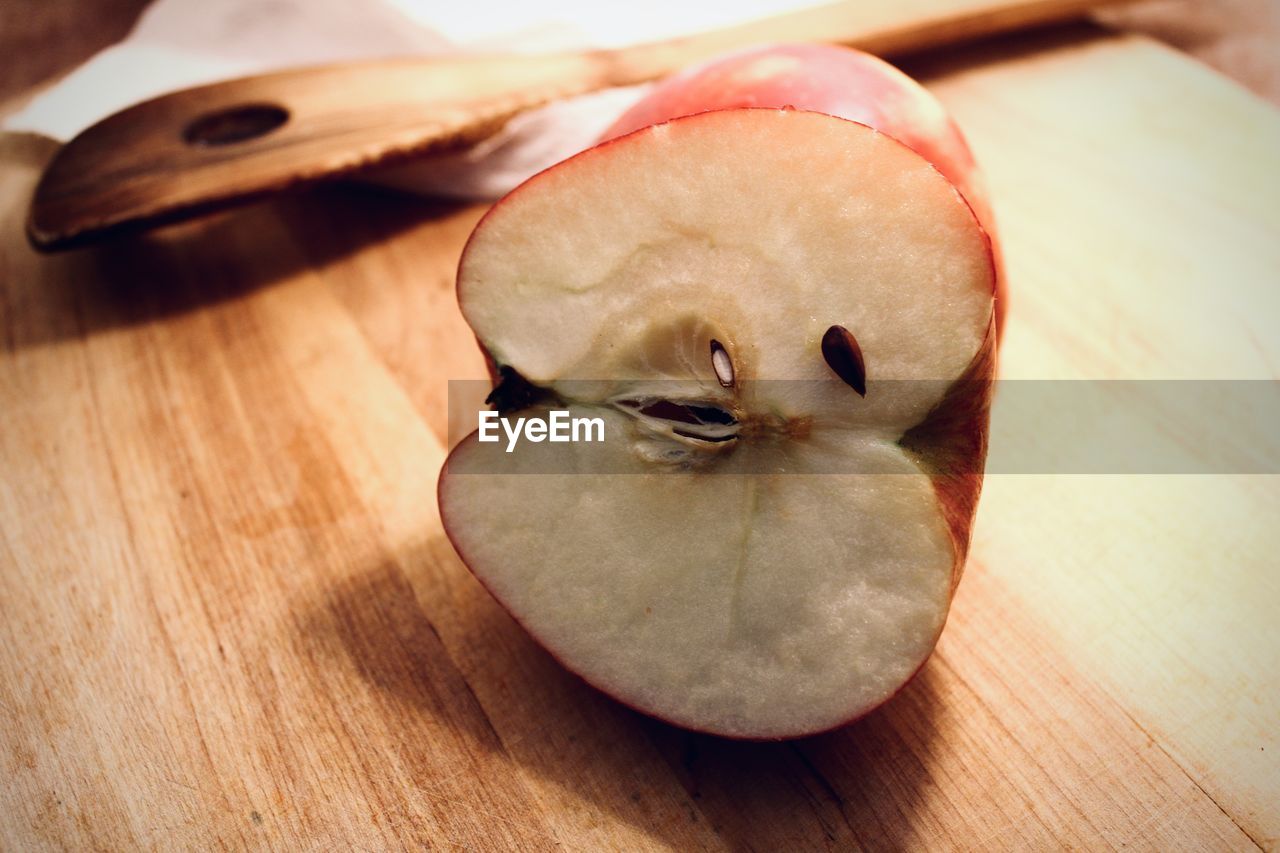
<point>182,43</point>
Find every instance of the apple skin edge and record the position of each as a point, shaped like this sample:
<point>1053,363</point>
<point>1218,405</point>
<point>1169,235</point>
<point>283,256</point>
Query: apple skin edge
<point>838,81</point>
<point>854,86</point>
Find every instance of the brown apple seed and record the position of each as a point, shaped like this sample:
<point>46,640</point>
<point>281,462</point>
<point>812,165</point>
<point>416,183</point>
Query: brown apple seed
<point>844,356</point>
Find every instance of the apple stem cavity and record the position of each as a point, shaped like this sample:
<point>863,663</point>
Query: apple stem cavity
<point>722,364</point>
<point>844,356</point>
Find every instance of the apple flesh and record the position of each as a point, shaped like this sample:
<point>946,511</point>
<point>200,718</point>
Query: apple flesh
<point>757,549</point>
<point>838,81</point>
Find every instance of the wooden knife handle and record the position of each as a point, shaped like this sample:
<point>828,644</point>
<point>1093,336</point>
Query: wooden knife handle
<point>198,150</point>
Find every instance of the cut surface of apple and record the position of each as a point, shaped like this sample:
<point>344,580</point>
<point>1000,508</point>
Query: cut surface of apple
<point>835,80</point>
<point>756,549</point>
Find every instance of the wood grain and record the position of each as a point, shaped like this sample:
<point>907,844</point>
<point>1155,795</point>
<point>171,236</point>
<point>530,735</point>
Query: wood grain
<point>1151,251</point>
<point>139,167</point>
<point>230,618</point>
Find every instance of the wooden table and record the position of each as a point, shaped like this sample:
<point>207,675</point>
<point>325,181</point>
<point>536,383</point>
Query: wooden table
<point>229,616</point>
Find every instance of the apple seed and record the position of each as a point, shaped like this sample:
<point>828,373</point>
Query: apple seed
<point>844,356</point>
<point>721,363</point>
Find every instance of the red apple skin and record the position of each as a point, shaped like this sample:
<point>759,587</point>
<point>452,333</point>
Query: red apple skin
<point>838,81</point>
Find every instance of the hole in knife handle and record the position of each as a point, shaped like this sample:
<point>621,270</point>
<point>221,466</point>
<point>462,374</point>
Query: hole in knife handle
<point>236,124</point>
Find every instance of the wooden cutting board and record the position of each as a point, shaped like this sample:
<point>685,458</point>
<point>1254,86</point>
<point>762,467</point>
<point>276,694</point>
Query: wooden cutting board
<point>229,616</point>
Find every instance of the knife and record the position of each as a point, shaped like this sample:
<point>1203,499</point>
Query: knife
<point>204,149</point>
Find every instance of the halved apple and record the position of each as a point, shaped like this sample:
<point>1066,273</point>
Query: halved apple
<point>785,322</point>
